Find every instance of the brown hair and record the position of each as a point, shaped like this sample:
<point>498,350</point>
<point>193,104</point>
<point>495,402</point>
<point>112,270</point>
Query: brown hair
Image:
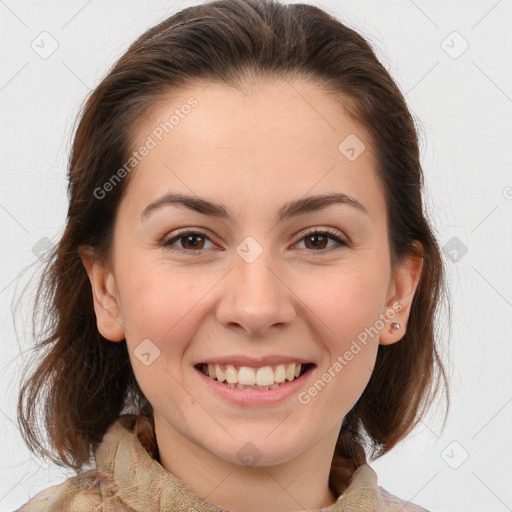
<point>84,381</point>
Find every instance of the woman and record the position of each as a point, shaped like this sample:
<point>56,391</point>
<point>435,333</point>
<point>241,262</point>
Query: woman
<point>242,304</point>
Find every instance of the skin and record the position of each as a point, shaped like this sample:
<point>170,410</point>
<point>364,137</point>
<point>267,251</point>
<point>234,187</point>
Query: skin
<point>253,152</point>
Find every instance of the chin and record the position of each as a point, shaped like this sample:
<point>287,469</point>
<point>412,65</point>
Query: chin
<point>253,451</point>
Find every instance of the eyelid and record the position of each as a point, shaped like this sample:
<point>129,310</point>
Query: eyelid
<point>181,233</point>
<point>333,233</point>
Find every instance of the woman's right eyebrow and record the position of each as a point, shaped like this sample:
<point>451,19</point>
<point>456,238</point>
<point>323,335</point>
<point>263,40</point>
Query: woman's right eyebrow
<point>291,209</point>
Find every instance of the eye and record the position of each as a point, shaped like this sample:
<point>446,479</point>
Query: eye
<point>317,239</point>
<point>191,240</point>
<point>194,241</point>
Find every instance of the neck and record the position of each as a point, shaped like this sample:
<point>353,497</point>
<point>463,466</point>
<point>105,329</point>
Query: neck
<point>299,484</point>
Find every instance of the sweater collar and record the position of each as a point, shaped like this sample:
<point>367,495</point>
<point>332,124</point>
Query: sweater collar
<point>143,484</point>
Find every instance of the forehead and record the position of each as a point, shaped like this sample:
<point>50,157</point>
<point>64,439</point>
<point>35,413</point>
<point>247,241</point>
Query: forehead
<point>277,112</point>
<point>270,139</point>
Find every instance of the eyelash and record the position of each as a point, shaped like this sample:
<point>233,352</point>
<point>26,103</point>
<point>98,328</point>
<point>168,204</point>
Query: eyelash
<point>332,234</point>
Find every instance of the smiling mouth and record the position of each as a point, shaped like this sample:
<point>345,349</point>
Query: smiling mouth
<point>263,379</point>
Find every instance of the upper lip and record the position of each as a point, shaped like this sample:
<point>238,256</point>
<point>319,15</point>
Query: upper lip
<point>254,361</point>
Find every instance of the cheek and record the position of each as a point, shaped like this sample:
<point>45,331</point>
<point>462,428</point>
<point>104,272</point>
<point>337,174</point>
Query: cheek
<point>347,301</point>
<point>348,306</point>
<point>163,306</point>
<point>166,308</point>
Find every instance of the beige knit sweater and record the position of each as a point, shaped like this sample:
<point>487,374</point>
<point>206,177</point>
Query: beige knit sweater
<point>128,479</point>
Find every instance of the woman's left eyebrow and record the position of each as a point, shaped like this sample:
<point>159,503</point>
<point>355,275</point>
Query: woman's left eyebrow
<point>291,209</point>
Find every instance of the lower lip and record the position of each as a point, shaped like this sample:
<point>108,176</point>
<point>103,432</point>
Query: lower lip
<point>256,397</point>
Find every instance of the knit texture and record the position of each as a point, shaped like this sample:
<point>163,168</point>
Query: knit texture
<point>128,479</point>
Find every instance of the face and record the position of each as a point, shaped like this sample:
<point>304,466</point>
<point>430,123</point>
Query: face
<point>252,277</point>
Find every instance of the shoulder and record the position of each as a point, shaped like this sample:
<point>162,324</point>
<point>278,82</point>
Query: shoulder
<point>96,488</point>
<point>364,493</point>
<point>394,504</point>
<point>80,492</point>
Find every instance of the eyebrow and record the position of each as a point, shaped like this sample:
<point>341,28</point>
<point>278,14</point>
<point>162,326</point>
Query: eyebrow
<point>291,209</point>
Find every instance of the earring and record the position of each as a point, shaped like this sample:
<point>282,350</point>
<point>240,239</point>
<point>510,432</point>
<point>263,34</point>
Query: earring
<point>396,325</point>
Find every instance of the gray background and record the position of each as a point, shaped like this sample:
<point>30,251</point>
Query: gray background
<point>462,99</point>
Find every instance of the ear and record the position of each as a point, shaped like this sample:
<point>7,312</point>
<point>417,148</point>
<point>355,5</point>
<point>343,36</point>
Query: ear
<point>104,292</point>
<point>402,288</point>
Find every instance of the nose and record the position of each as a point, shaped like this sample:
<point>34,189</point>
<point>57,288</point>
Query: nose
<point>256,296</point>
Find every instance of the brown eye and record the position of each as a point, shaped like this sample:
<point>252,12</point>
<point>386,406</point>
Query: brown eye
<point>190,241</point>
<point>319,240</point>
<point>193,242</point>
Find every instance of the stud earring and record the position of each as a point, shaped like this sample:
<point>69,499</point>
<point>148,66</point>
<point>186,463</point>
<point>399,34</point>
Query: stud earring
<point>396,325</point>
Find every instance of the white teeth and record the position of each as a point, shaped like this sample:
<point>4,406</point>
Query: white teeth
<point>211,371</point>
<point>290,372</point>
<point>219,374</point>
<point>265,376</point>
<point>245,377</point>
<point>231,374</point>
<point>280,374</point>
